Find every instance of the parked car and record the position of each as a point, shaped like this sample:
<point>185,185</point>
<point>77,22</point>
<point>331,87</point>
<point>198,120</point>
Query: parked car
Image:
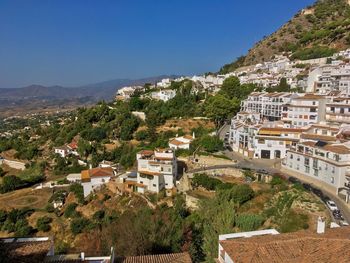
<point>343,223</point>
<point>337,215</point>
<point>293,180</point>
<point>307,186</point>
<point>262,171</point>
<point>331,205</point>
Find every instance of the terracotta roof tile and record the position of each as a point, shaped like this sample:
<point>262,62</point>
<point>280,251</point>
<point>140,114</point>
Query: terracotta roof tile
<point>302,246</point>
<point>27,252</point>
<point>162,258</point>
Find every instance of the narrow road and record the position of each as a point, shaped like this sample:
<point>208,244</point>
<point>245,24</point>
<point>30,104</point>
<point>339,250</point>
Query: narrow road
<point>270,167</point>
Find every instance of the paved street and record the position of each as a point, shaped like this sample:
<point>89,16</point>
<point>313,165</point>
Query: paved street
<point>274,167</point>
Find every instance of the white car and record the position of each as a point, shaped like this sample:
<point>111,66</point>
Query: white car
<point>344,223</point>
<point>331,205</point>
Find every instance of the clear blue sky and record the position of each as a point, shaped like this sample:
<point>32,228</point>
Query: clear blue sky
<point>75,42</point>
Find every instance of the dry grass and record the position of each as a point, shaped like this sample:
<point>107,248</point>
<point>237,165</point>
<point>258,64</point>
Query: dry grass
<point>186,125</point>
<point>28,197</point>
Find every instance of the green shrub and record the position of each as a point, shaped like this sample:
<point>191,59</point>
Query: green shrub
<point>249,222</point>
<point>98,216</point>
<point>78,191</point>
<point>43,223</point>
<point>49,208</point>
<point>70,211</point>
<point>239,194</point>
<point>209,183</point>
<point>78,225</point>
<point>313,52</point>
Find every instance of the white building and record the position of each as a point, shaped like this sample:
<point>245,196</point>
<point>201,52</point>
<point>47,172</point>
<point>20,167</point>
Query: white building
<point>93,178</point>
<point>269,105</point>
<point>338,110</point>
<point>330,77</point>
<point>63,151</point>
<point>273,142</point>
<point>327,162</point>
<point>164,95</point>
<point>243,129</point>
<point>304,110</point>
<point>182,142</point>
<point>156,170</point>
<point>164,83</point>
<point>68,149</point>
<point>127,92</point>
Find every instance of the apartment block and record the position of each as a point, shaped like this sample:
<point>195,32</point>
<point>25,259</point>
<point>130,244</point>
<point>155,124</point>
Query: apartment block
<point>156,170</point>
<point>327,162</point>
<point>269,105</point>
<point>338,110</point>
<point>304,110</point>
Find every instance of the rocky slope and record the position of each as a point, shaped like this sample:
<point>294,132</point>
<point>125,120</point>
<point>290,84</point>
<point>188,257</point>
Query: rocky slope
<point>316,31</point>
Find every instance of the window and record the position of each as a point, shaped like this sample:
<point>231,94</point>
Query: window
<point>307,169</point>
<point>342,110</point>
<point>307,161</point>
<point>332,180</point>
<point>291,156</point>
<point>154,185</point>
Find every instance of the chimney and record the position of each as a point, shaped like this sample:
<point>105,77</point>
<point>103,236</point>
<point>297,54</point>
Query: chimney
<point>82,256</point>
<point>321,225</point>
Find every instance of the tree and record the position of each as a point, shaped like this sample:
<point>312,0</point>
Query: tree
<point>2,172</point>
<point>211,143</point>
<point>128,127</point>
<point>10,183</point>
<point>231,87</point>
<point>220,108</point>
<point>79,224</point>
<point>43,223</point>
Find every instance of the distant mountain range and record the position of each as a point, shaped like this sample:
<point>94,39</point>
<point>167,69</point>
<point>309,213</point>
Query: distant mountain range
<point>38,99</point>
<point>104,90</point>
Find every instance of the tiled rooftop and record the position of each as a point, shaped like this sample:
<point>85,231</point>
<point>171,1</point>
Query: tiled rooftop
<point>298,247</point>
<point>162,258</point>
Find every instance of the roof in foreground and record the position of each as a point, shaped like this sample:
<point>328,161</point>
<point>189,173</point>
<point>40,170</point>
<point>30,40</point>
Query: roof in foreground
<point>28,251</point>
<point>301,246</point>
<point>162,258</point>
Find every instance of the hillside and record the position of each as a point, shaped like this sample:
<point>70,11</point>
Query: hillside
<point>316,31</point>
